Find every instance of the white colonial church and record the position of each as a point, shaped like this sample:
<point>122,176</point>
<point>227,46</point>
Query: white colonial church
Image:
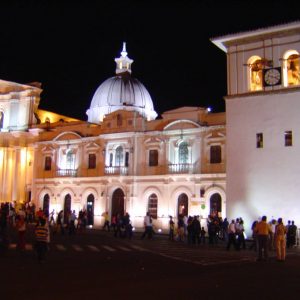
<point>189,161</point>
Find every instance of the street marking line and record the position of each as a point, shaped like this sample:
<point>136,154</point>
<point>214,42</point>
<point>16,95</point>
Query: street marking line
<point>77,248</point>
<point>124,248</point>
<point>139,248</point>
<point>61,247</point>
<point>108,248</point>
<point>93,248</point>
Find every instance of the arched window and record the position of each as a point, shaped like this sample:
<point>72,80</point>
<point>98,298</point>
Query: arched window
<point>293,69</point>
<point>152,206</point>
<point>183,153</point>
<point>255,64</point>
<point>119,156</point>
<point>70,163</point>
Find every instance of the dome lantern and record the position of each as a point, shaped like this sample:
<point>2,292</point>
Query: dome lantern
<point>123,62</point>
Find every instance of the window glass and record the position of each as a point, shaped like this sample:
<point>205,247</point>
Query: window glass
<point>48,161</point>
<point>259,140</point>
<point>153,158</point>
<point>152,206</point>
<point>183,153</point>
<point>293,69</point>
<point>256,70</point>
<point>288,138</point>
<point>92,161</point>
<point>215,154</point>
<point>70,160</point>
<point>119,156</point>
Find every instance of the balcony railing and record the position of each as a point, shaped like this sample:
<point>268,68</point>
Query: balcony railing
<point>181,168</point>
<point>66,173</point>
<point>116,170</point>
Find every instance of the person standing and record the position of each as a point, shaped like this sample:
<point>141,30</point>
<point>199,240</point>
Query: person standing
<point>72,219</point>
<point>291,234</point>
<point>148,226</point>
<point>42,238</point>
<point>106,221</point>
<point>263,231</point>
<point>171,229</point>
<point>21,227</point>
<point>231,235</point>
<point>280,232</point>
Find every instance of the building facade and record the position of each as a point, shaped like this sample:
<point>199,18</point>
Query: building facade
<point>262,122</point>
<point>123,159</point>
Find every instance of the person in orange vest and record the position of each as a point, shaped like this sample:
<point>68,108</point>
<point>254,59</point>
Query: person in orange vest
<point>263,230</point>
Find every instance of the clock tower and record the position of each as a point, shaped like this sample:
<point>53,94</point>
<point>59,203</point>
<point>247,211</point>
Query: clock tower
<point>263,123</point>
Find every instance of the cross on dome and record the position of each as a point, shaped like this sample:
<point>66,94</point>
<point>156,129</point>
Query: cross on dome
<point>124,53</point>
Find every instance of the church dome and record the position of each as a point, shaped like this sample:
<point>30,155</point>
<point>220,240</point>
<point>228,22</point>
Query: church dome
<point>121,92</point>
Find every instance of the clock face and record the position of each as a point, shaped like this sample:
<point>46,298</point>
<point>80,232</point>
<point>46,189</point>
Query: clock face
<point>272,76</point>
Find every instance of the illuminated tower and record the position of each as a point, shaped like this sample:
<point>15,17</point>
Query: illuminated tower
<point>263,125</point>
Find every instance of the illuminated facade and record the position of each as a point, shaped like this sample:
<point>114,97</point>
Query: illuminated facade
<point>262,122</point>
<point>123,159</point>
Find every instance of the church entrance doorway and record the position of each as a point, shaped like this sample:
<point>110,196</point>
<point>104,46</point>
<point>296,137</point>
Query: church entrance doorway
<point>67,208</point>
<point>46,203</point>
<point>215,205</point>
<point>183,205</point>
<point>90,209</point>
<point>117,203</point>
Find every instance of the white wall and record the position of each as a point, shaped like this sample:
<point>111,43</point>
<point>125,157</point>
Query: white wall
<point>263,181</point>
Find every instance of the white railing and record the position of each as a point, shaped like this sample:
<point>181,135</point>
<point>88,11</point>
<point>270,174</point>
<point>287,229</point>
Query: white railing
<point>180,168</point>
<point>66,173</point>
<point>116,170</point>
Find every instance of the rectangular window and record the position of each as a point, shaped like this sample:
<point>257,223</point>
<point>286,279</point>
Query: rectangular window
<point>153,158</point>
<point>48,161</point>
<point>92,161</point>
<point>215,154</point>
<point>259,140</point>
<point>288,138</point>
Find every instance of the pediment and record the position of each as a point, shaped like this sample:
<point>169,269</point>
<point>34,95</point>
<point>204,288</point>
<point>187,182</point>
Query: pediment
<point>153,140</point>
<point>92,146</point>
<point>215,135</point>
<point>48,149</point>
<point>69,135</point>
<point>181,124</point>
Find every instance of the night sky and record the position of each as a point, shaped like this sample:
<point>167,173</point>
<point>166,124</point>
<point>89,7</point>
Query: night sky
<point>70,47</point>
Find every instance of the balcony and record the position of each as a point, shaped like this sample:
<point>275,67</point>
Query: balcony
<point>66,173</point>
<point>117,170</point>
<point>181,168</point>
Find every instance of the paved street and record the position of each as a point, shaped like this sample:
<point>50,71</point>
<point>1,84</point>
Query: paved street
<point>96,264</point>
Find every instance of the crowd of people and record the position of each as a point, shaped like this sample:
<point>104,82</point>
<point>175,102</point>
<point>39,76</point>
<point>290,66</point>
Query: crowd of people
<point>266,236</point>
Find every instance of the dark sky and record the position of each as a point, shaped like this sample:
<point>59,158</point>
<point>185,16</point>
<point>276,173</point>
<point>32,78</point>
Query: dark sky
<point>70,46</point>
